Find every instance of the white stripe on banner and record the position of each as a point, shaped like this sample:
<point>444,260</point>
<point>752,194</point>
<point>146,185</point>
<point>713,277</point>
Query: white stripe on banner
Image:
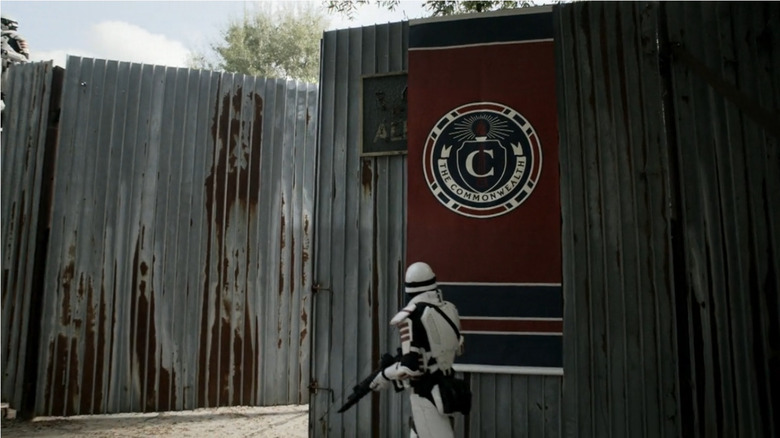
<point>543,40</point>
<point>467,368</point>
<point>507,318</point>
<point>477,332</point>
<point>498,284</point>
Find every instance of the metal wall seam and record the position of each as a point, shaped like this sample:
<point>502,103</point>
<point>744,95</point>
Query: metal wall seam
<point>576,403</point>
<point>320,400</point>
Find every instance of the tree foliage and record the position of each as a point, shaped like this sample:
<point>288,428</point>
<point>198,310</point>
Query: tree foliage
<point>349,7</point>
<point>435,7</point>
<point>274,43</point>
<point>453,7</point>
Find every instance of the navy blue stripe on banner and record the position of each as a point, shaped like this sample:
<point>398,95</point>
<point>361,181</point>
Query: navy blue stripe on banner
<point>512,350</point>
<point>486,30</point>
<point>505,300</point>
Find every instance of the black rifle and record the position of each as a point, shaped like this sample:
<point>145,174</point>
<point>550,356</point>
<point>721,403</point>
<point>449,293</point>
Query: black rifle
<point>361,389</point>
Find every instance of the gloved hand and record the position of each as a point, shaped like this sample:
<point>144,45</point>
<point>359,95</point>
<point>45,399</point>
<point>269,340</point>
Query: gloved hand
<point>379,383</point>
<point>399,371</point>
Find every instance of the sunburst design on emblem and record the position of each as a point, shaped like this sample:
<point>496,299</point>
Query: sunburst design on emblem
<point>480,125</point>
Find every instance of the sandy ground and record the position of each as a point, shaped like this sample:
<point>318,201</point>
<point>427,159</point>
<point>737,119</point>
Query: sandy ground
<point>276,421</point>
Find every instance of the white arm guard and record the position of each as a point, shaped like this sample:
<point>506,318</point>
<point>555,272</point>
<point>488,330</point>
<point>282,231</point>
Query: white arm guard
<point>397,371</point>
<point>394,373</point>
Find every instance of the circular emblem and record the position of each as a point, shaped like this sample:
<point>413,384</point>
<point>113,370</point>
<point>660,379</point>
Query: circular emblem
<point>482,159</point>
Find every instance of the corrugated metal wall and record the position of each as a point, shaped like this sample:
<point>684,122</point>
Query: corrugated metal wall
<point>27,147</point>
<point>359,263</point>
<point>726,124</point>
<point>178,268</point>
<point>670,234</point>
<point>619,344</point>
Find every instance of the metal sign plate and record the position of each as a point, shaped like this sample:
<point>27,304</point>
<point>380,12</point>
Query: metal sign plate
<point>383,104</point>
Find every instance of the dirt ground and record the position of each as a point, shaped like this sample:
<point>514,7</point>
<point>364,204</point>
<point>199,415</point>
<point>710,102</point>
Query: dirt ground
<point>266,422</point>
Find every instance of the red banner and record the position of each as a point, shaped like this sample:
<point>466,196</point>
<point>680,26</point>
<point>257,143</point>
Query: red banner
<point>483,198</point>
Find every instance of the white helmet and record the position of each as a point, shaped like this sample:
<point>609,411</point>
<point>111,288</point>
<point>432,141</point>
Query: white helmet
<point>420,278</point>
<point>9,23</point>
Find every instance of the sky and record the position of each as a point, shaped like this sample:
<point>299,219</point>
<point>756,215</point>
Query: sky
<point>154,32</point>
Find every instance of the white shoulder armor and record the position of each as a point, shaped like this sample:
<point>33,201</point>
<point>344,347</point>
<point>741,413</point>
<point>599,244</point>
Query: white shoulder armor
<point>403,314</point>
<point>443,338</point>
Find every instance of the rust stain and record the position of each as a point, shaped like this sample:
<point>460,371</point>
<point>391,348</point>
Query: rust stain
<point>366,176</point>
<point>66,278</point>
<point>234,175</point>
<point>211,364</point>
<point>305,252</point>
<point>143,333</point>
<point>233,179</point>
<point>167,398</point>
<point>103,327</point>
<point>78,320</point>
<point>283,226</point>
<point>238,367</point>
<point>49,374</point>
<point>90,346</point>
<point>73,389</point>
<point>291,277</point>
<point>248,358</point>
<point>224,355</point>
<point>55,386</point>
<point>204,368</point>
<point>304,332</point>
<point>304,315</point>
<point>283,244</point>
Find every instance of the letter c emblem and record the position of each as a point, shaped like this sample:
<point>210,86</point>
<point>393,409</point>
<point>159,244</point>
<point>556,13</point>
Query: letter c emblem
<point>470,164</point>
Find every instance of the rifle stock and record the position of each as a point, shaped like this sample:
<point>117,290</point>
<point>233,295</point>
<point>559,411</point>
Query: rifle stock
<point>364,387</point>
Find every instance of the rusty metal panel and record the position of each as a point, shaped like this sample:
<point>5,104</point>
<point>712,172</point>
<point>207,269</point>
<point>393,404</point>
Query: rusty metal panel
<point>178,268</point>
<point>725,100</point>
<point>28,90</point>
<point>360,234</point>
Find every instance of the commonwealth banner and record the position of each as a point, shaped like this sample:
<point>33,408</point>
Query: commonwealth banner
<point>483,183</point>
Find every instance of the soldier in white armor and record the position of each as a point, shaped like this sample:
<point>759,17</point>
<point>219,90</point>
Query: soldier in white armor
<point>14,46</point>
<point>430,340</point>
<point>13,49</point>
